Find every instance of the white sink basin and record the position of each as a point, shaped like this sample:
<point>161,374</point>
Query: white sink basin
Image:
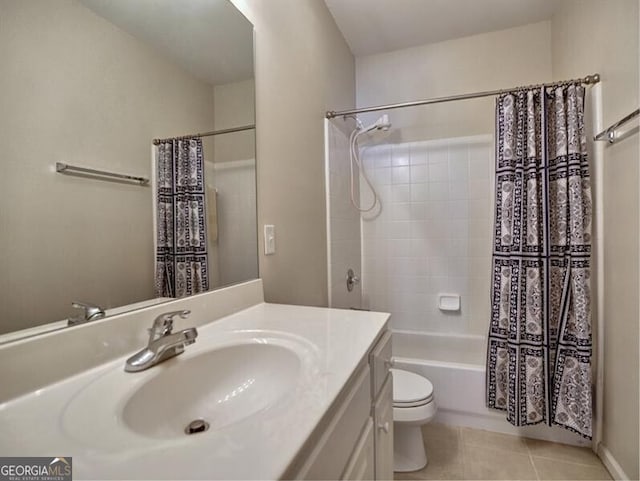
<point>230,382</point>
<point>222,387</point>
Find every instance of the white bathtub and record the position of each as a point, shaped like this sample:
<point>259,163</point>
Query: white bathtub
<point>455,365</point>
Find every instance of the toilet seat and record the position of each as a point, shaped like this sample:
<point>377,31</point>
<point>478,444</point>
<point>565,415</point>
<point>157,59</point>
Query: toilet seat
<point>410,390</point>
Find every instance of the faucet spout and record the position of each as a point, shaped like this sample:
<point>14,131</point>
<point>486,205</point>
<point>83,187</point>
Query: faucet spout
<point>163,343</point>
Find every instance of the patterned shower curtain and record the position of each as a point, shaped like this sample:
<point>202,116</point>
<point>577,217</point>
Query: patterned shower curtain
<point>181,256</point>
<point>539,347</point>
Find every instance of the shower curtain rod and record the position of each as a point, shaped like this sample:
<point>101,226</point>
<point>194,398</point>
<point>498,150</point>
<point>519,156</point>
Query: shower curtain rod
<point>588,80</point>
<point>207,134</point>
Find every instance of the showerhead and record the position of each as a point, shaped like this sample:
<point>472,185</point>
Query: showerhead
<point>382,123</point>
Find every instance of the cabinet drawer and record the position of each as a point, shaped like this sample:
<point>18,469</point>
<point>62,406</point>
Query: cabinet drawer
<point>362,463</point>
<point>331,453</point>
<point>380,360</point>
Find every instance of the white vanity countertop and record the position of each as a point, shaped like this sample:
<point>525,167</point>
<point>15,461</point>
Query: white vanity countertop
<point>63,420</point>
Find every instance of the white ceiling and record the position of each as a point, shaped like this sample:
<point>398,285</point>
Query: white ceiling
<point>376,26</point>
<point>211,39</point>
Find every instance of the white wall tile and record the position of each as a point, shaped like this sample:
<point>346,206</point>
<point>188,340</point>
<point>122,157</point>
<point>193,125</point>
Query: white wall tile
<point>438,152</point>
<point>400,174</point>
<point>419,174</point>
<point>433,234</point>
<point>438,171</point>
<point>419,229</point>
<point>399,155</point>
<point>479,163</point>
<point>458,163</point>
<point>399,230</point>
<point>419,210</point>
<point>418,153</point>
<point>399,212</point>
<point>438,190</point>
<point>439,209</point>
<point>419,192</point>
<point>383,156</point>
<point>458,209</point>
<point>400,193</point>
<point>418,285</point>
<point>399,247</point>
<point>459,229</point>
<point>381,176</point>
<point>458,190</point>
<point>479,189</point>
<point>439,267</point>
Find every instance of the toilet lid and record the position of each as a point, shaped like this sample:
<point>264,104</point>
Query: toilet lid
<point>410,388</point>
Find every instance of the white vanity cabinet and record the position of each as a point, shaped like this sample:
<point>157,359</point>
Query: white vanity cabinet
<point>382,395</point>
<point>321,374</point>
<point>355,440</point>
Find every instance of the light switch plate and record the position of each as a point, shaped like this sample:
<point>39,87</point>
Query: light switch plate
<point>269,240</point>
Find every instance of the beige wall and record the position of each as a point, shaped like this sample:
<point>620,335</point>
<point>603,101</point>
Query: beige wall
<point>234,106</point>
<point>303,68</point>
<point>76,89</point>
<point>597,36</point>
<point>233,252</point>
<point>502,59</point>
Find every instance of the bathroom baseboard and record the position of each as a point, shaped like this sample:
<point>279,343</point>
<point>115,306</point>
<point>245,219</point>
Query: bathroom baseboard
<point>611,464</point>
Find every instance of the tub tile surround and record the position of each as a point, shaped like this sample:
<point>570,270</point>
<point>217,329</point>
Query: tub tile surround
<point>464,453</point>
<point>343,224</point>
<point>336,343</point>
<point>433,233</point>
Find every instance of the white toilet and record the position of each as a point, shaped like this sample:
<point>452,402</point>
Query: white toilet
<point>413,406</point>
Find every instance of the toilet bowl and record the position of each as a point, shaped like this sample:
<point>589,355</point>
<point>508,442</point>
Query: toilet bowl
<point>413,406</point>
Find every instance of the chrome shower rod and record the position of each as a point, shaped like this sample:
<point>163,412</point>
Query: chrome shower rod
<point>207,134</point>
<point>588,80</point>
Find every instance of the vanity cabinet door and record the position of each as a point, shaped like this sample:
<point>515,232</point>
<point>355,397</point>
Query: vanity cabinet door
<point>362,463</point>
<point>331,453</point>
<point>383,427</point>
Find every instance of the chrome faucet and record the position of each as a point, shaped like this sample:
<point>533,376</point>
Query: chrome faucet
<point>163,342</point>
<point>90,312</point>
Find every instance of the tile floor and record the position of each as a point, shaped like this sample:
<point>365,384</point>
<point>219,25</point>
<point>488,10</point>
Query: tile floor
<point>464,453</point>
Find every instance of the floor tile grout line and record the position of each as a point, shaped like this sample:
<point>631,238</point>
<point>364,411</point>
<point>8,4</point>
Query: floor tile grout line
<point>563,460</point>
<point>461,445</point>
<point>535,469</point>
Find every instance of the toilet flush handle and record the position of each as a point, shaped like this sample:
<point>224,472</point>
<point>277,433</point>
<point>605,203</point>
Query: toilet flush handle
<point>384,427</point>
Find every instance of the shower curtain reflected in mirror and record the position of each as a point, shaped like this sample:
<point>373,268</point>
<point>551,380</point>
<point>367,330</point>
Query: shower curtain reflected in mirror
<point>539,349</point>
<point>181,252</point>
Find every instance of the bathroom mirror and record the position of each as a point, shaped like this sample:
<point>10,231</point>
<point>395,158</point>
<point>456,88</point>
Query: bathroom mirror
<point>91,84</point>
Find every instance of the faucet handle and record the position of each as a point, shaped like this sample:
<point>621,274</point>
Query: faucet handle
<point>90,312</point>
<point>163,324</point>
